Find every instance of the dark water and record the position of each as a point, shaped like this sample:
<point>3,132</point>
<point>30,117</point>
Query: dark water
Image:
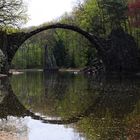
<point>37,106</point>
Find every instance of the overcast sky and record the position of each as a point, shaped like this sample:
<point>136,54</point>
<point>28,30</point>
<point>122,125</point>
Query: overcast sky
<point>41,11</point>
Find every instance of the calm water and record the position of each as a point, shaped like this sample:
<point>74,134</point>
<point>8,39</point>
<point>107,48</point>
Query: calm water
<point>63,106</point>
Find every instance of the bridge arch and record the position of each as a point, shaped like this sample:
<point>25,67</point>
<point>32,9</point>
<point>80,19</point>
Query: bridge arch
<point>15,40</point>
<point>107,49</point>
<point>96,41</point>
<point>21,37</point>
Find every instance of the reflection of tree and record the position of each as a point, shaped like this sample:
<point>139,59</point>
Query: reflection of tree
<point>10,127</point>
<point>116,111</point>
<point>56,83</point>
<point>104,109</point>
<point>10,106</point>
<point>119,96</point>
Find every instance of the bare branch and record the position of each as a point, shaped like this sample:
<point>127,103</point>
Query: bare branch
<point>12,13</point>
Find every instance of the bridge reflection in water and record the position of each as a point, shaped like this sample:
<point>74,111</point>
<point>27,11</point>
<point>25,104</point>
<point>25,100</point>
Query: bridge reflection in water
<point>89,108</point>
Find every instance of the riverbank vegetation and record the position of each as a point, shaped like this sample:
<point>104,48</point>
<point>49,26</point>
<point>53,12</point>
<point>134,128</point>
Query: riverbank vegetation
<point>70,49</point>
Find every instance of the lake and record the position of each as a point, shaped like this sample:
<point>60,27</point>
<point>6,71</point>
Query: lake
<point>67,106</point>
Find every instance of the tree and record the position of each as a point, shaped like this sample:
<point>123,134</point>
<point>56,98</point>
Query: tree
<point>114,11</point>
<point>12,13</point>
<point>134,13</point>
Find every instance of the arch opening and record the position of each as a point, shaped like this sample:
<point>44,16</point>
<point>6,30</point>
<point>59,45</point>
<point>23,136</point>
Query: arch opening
<point>42,37</point>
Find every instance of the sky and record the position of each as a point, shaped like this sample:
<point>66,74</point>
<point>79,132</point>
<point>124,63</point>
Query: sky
<point>41,11</point>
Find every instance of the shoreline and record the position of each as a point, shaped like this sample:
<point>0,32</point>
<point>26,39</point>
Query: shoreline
<point>20,71</point>
<point>3,75</point>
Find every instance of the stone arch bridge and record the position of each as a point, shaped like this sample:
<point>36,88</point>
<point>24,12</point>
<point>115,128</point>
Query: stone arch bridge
<point>119,52</point>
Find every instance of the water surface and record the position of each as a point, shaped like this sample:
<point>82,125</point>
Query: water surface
<point>65,106</point>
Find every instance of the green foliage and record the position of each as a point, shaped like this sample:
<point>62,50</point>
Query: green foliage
<point>71,49</point>
<point>30,56</point>
<point>114,11</point>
